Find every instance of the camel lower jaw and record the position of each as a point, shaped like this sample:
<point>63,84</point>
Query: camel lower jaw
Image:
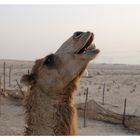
<point>91,49</point>
<point>90,52</point>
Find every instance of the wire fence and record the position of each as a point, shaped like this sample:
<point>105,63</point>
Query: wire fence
<point>98,112</point>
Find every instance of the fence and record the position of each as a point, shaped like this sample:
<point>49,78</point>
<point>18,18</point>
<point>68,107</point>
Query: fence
<point>5,87</point>
<point>92,110</point>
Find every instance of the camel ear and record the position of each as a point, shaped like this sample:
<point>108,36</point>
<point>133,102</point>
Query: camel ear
<point>27,79</point>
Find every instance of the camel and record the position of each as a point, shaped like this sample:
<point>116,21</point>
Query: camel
<point>54,79</point>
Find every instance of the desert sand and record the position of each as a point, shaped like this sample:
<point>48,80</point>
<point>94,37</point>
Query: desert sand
<point>121,81</point>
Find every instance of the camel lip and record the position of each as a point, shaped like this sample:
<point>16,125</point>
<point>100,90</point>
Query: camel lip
<point>91,49</point>
<point>87,46</point>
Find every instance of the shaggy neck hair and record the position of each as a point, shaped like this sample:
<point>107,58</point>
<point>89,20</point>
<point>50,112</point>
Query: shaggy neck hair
<point>51,115</point>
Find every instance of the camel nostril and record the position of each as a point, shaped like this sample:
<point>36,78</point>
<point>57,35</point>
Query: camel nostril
<point>77,34</point>
<point>90,33</point>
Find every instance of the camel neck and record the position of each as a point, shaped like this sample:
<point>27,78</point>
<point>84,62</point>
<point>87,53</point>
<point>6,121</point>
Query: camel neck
<point>50,115</point>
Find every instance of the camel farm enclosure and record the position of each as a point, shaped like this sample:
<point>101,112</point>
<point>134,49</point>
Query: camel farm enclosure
<point>112,103</point>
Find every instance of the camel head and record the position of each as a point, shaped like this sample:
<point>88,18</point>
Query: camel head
<point>55,71</point>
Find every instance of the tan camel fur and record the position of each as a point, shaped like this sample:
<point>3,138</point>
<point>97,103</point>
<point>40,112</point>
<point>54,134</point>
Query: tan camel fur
<point>50,108</point>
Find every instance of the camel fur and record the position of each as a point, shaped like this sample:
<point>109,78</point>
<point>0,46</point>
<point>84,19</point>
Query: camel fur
<point>50,108</point>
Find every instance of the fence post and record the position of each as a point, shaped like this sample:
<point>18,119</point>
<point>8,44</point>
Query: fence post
<point>124,112</point>
<point>4,73</point>
<point>85,107</point>
<point>20,88</point>
<point>28,72</point>
<point>103,98</point>
<point>10,70</point>
<point>28,87</point>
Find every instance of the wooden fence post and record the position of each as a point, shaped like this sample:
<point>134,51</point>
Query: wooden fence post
<point>28,87</point>
<point>103,98</point>
<point>85,107</point>
<point>28,72</point>
<point>124,112</point>
<point>20,88</point>
<point>4,74</point>
<point>10,70</point>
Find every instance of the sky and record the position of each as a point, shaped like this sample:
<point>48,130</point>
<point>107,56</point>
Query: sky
<point>28,32</point>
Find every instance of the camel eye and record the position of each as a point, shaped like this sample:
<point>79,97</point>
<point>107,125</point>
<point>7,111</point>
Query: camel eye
<point>49,61</point>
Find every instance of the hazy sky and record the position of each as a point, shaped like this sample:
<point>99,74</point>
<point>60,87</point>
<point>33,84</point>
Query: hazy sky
<point>32,31</point>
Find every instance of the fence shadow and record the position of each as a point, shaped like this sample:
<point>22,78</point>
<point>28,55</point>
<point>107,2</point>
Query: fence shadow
<point>97,112</point>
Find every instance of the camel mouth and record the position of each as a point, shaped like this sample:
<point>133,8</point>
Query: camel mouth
<point>88,47</point>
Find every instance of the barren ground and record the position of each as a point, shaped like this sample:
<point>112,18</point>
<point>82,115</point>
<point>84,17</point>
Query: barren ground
<point>121,81</point>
